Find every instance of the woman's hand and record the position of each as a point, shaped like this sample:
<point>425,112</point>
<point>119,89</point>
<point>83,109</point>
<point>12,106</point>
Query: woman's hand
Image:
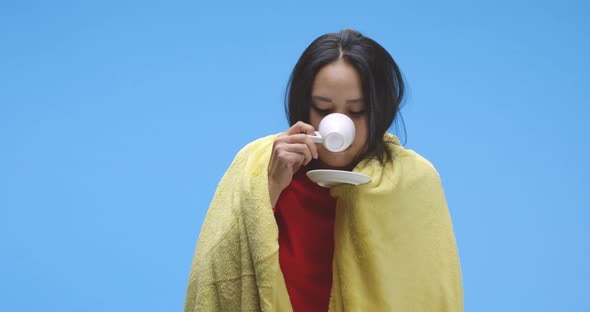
<point>291,150</point>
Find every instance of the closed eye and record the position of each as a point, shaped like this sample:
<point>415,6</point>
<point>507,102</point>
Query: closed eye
<point>321,111</point>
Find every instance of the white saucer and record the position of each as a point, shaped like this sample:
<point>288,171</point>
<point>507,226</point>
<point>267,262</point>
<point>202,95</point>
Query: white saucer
<point>329,178</point>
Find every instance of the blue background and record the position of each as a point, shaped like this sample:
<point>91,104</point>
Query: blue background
<point>118,119</point>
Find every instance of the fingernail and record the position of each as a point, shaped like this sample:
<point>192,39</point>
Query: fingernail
<point>315,155</point>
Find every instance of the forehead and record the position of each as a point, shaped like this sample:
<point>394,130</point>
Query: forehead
<point>337,78</point>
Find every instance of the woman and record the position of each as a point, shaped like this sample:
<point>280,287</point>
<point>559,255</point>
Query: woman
<point>273,240</point>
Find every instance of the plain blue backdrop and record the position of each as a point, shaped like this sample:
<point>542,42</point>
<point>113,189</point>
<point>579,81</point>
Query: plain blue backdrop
<point>118,119</point>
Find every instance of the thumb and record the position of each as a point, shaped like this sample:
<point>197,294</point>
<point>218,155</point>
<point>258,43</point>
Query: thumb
<point>301,127</point>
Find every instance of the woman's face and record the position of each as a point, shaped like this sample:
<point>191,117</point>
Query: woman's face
<point>337,88</point>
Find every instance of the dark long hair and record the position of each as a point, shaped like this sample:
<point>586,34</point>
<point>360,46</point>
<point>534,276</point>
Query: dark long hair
<point>382,83</point>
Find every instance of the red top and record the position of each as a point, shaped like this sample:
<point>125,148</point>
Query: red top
<point>305,215</point>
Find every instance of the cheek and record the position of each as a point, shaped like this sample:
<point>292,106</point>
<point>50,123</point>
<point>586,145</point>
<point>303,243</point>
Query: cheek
<point>314,120</point>
<point>362,130</point>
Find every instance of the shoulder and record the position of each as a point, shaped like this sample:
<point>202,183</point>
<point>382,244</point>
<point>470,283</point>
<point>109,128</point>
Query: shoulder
<point>255,149</point>
<point>258,145</point>
<point>419,161</point>
<point>221,225</point>
<point>410,161</point>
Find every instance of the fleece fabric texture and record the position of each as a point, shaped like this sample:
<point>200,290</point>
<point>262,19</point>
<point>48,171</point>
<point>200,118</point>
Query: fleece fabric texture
<point>394,244</point>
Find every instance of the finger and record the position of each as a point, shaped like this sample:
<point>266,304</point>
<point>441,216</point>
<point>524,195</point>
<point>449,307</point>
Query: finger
<point>300,148</point>
<point>300,127</point>
<point>282,148</point>
<point>294,138</point>
<point>296,168</point>
<point>305,139</point>
<point>313,148</point>
<point>293,160</point>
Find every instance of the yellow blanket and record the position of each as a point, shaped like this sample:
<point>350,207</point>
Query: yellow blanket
<point>394,244</point>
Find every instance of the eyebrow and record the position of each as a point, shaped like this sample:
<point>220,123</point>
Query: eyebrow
<point>329,100</point>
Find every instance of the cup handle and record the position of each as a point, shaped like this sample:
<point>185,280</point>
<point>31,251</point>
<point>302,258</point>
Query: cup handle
<point>316,137</point>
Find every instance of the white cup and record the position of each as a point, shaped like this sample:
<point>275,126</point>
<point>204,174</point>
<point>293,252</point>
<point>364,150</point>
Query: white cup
<point>336,132</point>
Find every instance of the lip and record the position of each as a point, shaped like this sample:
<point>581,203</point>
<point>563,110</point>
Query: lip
<point>336,153</point>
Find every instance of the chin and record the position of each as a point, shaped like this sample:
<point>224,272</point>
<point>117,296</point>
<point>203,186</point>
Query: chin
<point>335,161</point>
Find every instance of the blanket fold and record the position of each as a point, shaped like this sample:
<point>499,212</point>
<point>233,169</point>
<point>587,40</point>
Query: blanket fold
<point>394,244</point>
